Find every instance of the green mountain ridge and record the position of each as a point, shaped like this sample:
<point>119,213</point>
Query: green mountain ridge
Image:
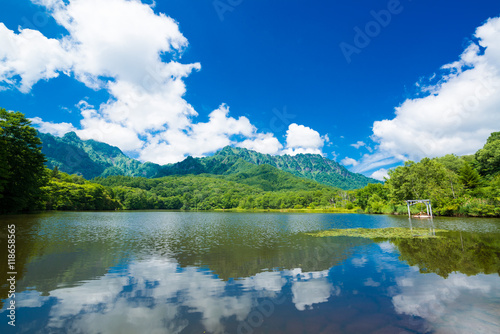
<point>311,166</point>
<point>91,159</point>
<point>231,160</point>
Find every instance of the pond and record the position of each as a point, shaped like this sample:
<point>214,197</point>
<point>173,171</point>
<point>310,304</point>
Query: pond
<point>189,272</point>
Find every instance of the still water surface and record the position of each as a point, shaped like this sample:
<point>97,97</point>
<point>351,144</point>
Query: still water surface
<point>180,272</point>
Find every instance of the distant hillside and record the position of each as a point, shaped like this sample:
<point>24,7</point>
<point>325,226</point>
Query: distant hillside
<point>90,159</point>
<point>269,178</point>
<point>231,160</point>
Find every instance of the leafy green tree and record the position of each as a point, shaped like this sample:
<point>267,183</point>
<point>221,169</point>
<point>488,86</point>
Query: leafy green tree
<point>55,173</point>
<point>427,179</point>
<point>451,162</point>
<point>488,158</point>
<point>469,176</point>
<point>364,194</point>
<point>22,167</point>
<point>136,200</point>
<point>62,193</point>
<point>4,168</point>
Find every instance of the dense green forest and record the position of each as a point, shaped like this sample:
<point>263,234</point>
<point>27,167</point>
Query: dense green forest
<point>262,188</point>
<point>208,192</point>
<point>73,192</point>
<point>468,185</point>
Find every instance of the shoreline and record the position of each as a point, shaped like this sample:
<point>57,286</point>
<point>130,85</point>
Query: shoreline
<point>239,210</point>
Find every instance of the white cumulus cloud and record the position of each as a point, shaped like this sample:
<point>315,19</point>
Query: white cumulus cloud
<point>456,115</point>
<point>380,174</point>
<point>264,142</point>
<point>56,129</point>
<point>197,139</point>
<point>302,139</point>
<point>30,56</point>
<point>133,53</point>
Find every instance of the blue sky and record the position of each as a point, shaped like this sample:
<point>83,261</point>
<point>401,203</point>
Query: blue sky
<point>169,79</point>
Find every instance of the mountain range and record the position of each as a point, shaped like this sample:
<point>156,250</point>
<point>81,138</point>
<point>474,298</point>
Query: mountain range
<point>91,159</point>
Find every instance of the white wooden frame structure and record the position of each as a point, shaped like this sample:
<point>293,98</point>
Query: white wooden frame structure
<point>427,203</point>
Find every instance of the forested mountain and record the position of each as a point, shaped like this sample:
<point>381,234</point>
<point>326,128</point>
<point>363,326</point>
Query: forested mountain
<point>311,166</point>
<point>91,159</point>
